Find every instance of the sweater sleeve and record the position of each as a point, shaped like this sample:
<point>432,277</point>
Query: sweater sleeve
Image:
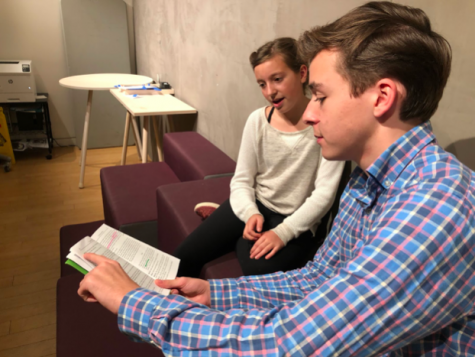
<point>316,205</point>
<point>243,196</point>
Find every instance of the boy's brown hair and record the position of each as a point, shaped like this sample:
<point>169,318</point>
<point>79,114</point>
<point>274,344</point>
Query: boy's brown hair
<point>387,40</point>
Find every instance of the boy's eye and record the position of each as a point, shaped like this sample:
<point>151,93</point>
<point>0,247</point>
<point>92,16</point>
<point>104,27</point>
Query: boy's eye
<point>278,79</point>
<point>320,99</point>
<point>261,85</point>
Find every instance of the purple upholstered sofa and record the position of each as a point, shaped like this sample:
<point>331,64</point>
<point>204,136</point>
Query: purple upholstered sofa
<point>130,205</point>
<point>129,191</point>
<point>154,203</point>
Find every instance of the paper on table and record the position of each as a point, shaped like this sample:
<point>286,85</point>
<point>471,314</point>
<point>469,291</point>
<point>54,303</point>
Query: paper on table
<point>146,87</point>
<point>88,245</point>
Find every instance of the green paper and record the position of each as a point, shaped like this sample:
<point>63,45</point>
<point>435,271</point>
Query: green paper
<point>76,266</point>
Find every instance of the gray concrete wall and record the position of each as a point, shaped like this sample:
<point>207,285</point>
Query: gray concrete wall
<point>202,49</point>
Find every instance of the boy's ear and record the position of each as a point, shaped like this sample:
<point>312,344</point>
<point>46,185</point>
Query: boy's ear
<point>386,98</point>
<point>303,73</point>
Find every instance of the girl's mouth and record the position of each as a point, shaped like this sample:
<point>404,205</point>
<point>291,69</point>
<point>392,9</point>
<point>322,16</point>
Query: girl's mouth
<point>277,102</point>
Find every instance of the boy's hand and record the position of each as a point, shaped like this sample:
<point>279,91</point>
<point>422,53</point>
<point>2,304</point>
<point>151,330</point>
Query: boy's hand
<point>107,283</point>
<point>196,290</point>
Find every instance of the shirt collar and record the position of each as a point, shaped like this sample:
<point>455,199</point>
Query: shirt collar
<point>388,166</point>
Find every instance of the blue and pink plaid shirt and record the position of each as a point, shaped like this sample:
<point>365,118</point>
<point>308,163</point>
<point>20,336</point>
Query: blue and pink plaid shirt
<point>395,277</point>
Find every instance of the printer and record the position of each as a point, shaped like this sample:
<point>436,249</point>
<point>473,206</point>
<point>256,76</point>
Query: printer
<point>17,82</point>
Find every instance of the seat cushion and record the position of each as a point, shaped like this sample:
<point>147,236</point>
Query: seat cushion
<point>226,266</point>
<point>175,203</point>
<point>176,219</point>
<point>88,329</point>
<point>192,157</point>
<point>70,235</point>
<point>128,192</point>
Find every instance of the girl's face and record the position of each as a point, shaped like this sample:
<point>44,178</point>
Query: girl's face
<point>281,86</point>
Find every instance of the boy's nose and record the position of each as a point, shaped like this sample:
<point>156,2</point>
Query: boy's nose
<point>310,115</point>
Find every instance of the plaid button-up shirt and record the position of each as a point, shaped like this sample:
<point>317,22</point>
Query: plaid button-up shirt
<point>395,277</point>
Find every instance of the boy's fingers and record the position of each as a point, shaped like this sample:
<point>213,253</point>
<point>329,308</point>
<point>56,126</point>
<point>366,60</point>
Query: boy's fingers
<point>177,283</point>
<point>95,258</point>
<point>163,284</point>
<point>84,293</point>
<point>90,298</point>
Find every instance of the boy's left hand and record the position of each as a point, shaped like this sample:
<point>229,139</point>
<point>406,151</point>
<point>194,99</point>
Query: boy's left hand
<point>268,242</point>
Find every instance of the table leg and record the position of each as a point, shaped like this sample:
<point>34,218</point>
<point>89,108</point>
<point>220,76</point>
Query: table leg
<point>158,136</point>
<point>138,142</point>
<point>84,139</point>
<point>126,138</point>
<point>171,124</point>
<point>49,132</point>
<point>145,139</point>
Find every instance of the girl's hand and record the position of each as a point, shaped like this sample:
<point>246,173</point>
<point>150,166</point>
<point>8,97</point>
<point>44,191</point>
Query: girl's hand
<point>269,241</point>
<point>253,228</point>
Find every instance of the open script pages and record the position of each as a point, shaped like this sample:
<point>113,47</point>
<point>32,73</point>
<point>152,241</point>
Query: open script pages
<point>140,261</point>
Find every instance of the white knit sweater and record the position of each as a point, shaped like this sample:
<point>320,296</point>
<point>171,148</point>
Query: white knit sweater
<point>287,173</point>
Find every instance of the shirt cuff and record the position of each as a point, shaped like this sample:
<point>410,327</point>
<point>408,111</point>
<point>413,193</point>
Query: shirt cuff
<point>224,294</point>
<point>284,233</point>
<point>135,311</point>
<point>250,212</point>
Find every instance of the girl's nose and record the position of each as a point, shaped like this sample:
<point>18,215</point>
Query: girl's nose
<point>271,90</point>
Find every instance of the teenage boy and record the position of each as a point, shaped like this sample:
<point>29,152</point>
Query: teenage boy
<point>396,275</point>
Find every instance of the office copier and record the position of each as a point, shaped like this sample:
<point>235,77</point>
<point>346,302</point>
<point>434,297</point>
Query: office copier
<point>17,83</point>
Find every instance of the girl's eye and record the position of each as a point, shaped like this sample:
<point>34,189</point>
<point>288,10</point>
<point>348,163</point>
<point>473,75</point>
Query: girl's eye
<point>321,100</point>
<point>278,79</point>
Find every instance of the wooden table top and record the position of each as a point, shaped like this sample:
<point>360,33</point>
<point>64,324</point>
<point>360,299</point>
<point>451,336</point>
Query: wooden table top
<point>162,104</point>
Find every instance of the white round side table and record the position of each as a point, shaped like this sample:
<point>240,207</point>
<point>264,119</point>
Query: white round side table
<point>98,81</point>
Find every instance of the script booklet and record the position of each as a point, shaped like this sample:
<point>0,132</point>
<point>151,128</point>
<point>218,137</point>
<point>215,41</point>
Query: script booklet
<point>142,263</point>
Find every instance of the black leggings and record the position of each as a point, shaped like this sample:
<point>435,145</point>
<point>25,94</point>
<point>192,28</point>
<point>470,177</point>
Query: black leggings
<point>221,233</point>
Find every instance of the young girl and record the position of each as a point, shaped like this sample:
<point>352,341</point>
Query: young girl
<point>282,186</point>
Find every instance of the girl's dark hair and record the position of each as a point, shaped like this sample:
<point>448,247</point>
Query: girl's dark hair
<point>286,47</point>
<point>387,40</point>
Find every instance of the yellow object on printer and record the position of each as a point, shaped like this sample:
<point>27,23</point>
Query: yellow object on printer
<point>5,142</point>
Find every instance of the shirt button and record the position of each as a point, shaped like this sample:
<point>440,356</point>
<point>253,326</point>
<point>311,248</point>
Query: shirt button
<point>387,183</point>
